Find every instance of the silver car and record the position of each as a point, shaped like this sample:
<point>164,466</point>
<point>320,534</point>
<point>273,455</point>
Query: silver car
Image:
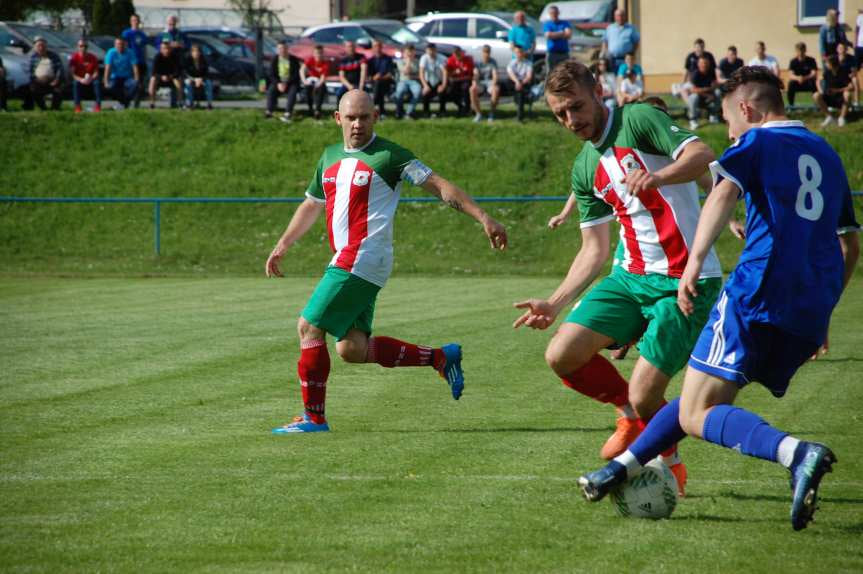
<point>17,67</point>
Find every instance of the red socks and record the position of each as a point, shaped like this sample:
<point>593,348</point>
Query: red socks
<point>389,352</point>
<point>599,380</point>
<point>313,369</point>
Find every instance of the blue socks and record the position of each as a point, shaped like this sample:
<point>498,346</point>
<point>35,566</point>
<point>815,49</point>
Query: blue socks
<point>746,432</point>
<point>662,432</point>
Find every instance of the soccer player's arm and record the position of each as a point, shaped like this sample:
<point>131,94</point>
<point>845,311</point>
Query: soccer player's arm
<point>557,220</point>
<point>849,236</point>
<point>737,228</point>
<point>417,173</point>
<point>106,76</point>
<point>732,177</point>
<point>304,217</point>
<point>691,155</point>
<point>596,216</point>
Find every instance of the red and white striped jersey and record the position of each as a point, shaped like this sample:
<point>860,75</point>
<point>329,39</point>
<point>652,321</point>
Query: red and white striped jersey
<point>658,226</point>
<point>361,190</point>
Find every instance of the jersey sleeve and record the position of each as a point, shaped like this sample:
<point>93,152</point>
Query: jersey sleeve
<point>653,126</point>
<point>736,163</point>
<point>847,220</point>
<point>408,167</point>
<point>592,210</point>
<point>315,191</point>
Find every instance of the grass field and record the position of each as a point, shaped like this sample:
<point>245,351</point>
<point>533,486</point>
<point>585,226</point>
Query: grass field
<point>135,437</point>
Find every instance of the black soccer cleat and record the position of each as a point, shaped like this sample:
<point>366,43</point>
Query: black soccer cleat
<point>595,485</point>
<point>812,460</point>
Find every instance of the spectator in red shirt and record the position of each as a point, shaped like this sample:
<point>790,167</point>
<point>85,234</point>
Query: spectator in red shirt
<point>459,68</point>
<point>84,69</point>
<point>314,76</point>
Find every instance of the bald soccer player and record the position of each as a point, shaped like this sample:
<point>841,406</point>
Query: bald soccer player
<point>358,183</point>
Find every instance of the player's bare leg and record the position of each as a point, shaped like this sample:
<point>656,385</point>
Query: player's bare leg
<point>573,354</point>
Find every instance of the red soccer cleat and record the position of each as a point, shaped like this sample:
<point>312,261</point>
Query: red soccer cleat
<point>679,472</point>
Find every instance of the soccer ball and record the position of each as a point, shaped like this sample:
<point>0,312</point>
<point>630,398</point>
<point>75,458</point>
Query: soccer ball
<point>650,494</point>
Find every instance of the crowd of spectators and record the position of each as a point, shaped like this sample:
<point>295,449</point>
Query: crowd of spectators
<point>182,69</point>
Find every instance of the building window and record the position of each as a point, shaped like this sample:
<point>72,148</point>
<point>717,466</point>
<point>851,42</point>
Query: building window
<point>811,12</point>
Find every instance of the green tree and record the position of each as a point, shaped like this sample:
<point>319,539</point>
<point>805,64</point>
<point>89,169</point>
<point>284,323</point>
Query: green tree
<point>121,11</point>
<point>102,23</point>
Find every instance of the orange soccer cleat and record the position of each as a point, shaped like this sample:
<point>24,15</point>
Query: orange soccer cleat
<point>624,435</point>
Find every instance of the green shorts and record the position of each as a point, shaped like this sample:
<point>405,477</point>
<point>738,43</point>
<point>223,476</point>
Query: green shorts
<point>341,302</point>
<point>626,306</point>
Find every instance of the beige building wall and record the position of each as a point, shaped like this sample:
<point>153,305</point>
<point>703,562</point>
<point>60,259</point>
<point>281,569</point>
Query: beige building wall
<point>294,14</point>
<point>669,27</point>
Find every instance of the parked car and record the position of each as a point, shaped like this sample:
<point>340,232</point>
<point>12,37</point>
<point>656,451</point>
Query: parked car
<point>394,35</point>
<point>231,66</point>
<point>234,37</point>
<point>589,16</point>
<point>17,67</point>
<point>22,36</point>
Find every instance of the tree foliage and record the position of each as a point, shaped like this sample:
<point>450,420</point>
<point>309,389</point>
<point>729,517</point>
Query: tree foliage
<point>530,7</point>
<point>102,23</point>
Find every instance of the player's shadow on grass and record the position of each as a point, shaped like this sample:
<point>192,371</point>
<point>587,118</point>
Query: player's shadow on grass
<point>775,498</point>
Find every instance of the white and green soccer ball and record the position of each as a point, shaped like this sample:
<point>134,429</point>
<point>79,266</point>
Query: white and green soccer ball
<point>652,493</point>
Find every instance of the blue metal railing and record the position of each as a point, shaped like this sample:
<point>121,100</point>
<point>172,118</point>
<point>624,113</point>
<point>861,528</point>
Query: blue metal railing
<point>158,201</point>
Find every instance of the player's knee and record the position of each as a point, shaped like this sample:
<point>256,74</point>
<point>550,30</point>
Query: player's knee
<point>350,351</point>
<point>563,361</point>
<point>689,421</point>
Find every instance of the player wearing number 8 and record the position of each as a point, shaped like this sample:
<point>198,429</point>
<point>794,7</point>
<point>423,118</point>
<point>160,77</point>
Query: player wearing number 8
<point>774,311</point>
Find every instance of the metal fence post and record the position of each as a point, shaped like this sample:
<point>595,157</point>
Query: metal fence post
<point>157,219</point>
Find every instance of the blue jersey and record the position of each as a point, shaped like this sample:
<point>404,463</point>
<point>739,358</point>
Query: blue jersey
<point>797,196</point>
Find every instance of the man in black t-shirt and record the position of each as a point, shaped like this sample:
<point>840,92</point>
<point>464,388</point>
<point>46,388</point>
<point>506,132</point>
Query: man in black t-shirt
<point>702,93</point>
<point>835,91</point>
<point>804,71</point>
<point>166,73</point>
<point>684,89</point>
<point>728,65</point>
<point>352,71</point>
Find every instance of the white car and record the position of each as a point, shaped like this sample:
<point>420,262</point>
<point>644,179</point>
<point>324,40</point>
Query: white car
<point>472,30</point>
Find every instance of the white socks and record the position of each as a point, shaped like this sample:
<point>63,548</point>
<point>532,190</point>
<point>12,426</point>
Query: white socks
<point>785,451</point>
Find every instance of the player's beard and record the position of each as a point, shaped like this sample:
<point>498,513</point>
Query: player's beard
<point>598,124</point>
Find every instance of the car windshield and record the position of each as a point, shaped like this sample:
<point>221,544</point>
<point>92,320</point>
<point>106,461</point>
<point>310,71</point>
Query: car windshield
<point>529,20</point>
<point>215,45</point>
<point>53,39</point>
<point>395,31</point>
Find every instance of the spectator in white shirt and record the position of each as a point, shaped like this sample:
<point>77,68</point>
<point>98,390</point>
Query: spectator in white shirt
<point>630,89</point>
<point>607,81</point>
<point>520,71</point>
<point>433,77</point>
<point>762,58</point>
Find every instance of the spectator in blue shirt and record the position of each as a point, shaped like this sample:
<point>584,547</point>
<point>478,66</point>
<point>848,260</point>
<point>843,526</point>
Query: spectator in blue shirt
<point>121,72</point>
<point>620,38</point>
<point>137,40</point>
<point>628,66</point>
<point>831,34</point>
<point>382,73</point>
<point>557,34</point>
<point>521,35</point>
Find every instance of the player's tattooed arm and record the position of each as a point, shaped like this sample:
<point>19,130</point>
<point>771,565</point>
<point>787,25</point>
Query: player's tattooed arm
<point>459,200</point>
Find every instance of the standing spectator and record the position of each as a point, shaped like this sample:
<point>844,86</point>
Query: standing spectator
<point>84,69</point>
<point>630,89</point>
<point>459,67</point>
<point>166,73</point>
<point>803,73</point>
<point>703,93</point>
<point>557,35</point>
<point>409,82</point>
<point>765,60</point>
<point>381,70</point>
<point>3,107</point>
<point>728,65</point>
<point>690,65</point>
<point>314,74</point>
<point>284,78</point>
<point>620,38</point>
<point>46,77</point>
<point>172,35</point>
<point>831,34</point>
<point>433,77</point>
<point>352,71</point>
<point>628,66</point>
<point>836,91</point>
<point>521,34</point>
<point>137,41</point>
<point>485,81</point>
<point>607,81</point>
<point>121,73</point>
<point>520,71</point>
<point>197,77</point>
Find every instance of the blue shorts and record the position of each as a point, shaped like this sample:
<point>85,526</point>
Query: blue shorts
<point>733,349</point>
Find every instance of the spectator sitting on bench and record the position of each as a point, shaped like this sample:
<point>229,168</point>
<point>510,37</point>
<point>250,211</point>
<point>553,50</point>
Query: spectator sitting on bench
<point>197,77</point>
<point>382,73</point>
<point>763,59</point>
<point>433,77</point>
<point>847,60</point>
<point>166,73</point>
<point>804,73</point>
<point>835,91</point>
<point>520,71</point>
<point>728,65</point>
<point>46,77</point>
<point>459,67</point>
<point>485,81</point>
<point>409,82</point>
<point>630,89</point>
<point>703,93</point>
<point>684,88</point>
<point>627,66</point>
<point>313,74</point>
<point>607,81</point>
